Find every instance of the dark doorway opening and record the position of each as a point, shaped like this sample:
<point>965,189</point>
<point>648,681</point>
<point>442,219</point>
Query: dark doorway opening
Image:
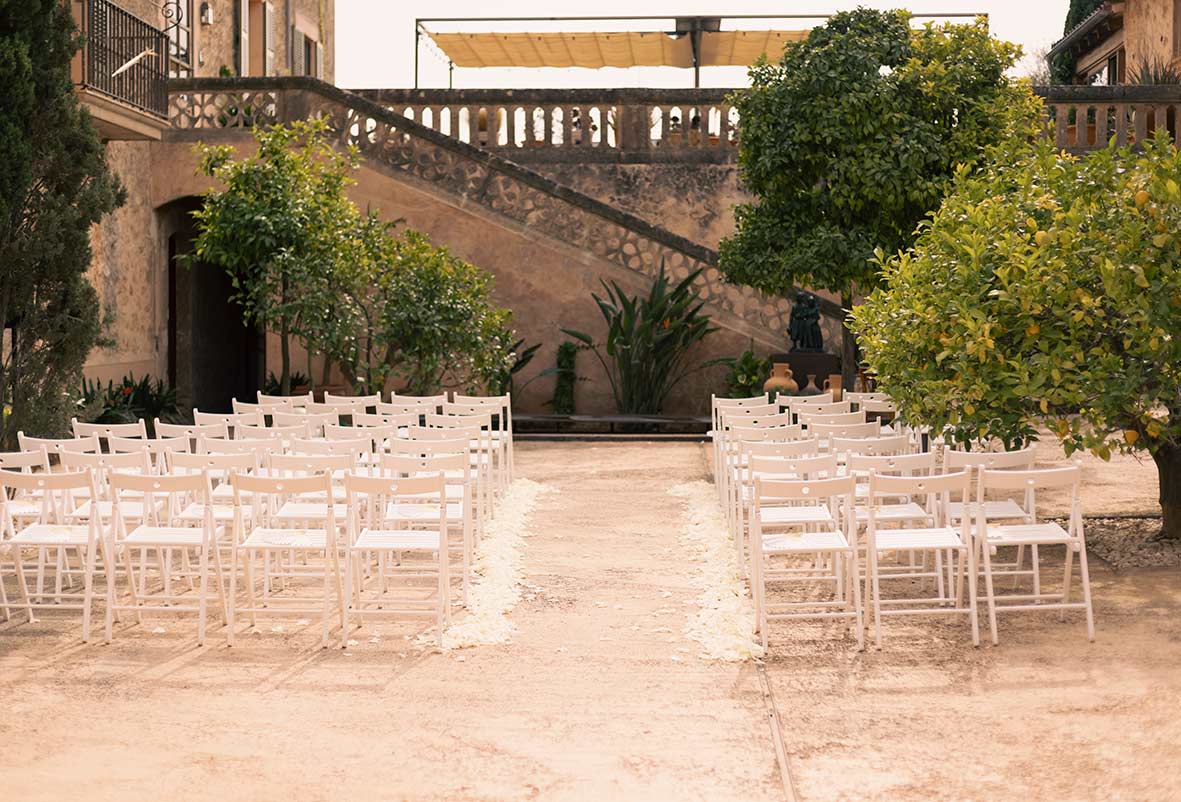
<point>213,356</point>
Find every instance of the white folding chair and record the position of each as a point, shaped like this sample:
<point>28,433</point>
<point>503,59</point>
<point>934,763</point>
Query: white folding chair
<point>105,431</point>
<point>376,529</point>
<point>155,449</point>
<point>283,401</point>
<point>231,420</point>
<point>55,446</point>
<point>312,585</point>
<point>315,422</point>
<point>170,541</point>
<point>835,539</point>
<point>217,467</point>
<point>191,430</point>
<point>1033,534</point>
<point>460,496</point>
<point>954,556</point>
<point>51,531</point>
<point>504,406</point>
<point>104,466</point>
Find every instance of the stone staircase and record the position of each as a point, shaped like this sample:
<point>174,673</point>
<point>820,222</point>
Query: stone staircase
<point>476,179</point>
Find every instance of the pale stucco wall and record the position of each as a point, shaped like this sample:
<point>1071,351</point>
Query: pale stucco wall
<point>1148,32</point>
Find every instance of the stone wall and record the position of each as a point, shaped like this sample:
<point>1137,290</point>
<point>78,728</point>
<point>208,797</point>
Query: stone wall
<point>1148,32</point>
<point>693,200</point>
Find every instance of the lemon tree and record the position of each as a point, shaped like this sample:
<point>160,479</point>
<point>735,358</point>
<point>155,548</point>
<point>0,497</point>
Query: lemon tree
<point>1046,290</point>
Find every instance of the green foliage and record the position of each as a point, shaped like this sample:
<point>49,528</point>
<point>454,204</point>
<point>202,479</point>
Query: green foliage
<point>1046,290</point>
<point>281,228</point>
<point>565,369</point>
<point>1062,69</point>
<point>853,137</point>
<point>306,262</point>
<point>412,311</point>
<point>127,401</point>
<point>648,341</point>
<point>271,385</point>
<point>521,357</point>
<point>747,374</point>
<point>54,186</point>
<point>1155,73</point>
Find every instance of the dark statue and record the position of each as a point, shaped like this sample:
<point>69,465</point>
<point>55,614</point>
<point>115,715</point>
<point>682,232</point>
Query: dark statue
<point>804,324</point>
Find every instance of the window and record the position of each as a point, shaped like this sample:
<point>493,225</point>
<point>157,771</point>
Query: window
<point>178,24</point>
<point>307,55</point>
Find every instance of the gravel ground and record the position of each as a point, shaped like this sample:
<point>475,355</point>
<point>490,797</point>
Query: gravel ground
<point>1125,543</point>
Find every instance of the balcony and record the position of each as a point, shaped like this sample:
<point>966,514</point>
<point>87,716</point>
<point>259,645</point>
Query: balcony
<point>1084,118</point>
<point>554,125</point>
<point>121,71</point>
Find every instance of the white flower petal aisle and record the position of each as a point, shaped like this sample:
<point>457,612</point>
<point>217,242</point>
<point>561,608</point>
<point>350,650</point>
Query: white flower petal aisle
<point>496,581</point>
<point>724,623</point>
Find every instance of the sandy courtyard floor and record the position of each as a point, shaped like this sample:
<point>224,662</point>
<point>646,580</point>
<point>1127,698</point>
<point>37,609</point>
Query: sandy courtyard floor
<point>600,696</point>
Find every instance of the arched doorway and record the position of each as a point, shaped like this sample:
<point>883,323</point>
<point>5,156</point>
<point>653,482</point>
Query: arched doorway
<point>213,355</point>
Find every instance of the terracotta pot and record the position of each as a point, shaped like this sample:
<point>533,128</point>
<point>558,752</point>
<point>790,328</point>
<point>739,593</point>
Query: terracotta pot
<point>833,384</point>
<point>781,381</point>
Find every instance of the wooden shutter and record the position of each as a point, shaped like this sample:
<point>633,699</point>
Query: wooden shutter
<point>320,61</point>
<point>297,65</point>
<point>268,33</point>
<point>243,7</point>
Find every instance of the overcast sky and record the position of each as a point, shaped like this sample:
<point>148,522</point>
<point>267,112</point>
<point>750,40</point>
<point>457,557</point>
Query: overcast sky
<point>375,38</point>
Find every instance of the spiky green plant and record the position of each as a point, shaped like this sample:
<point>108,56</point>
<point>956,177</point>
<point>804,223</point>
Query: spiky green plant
<point>646,351</point>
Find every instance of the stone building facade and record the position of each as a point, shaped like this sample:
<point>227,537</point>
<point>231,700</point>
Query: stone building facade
<point>1121,37</point>
<point>143,288</point>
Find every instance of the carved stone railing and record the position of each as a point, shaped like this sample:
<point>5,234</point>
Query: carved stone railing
<point>1086,118</point>
<point>577,124</point>
<point>477,177</point>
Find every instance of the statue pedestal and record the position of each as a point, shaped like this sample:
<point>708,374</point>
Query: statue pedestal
<point>810,363</point>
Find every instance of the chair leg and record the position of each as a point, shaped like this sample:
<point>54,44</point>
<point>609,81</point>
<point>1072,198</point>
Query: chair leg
<point>1085,576</point>
<point>1067,575</point>
<point>202,593</point>
<point>988,591</point>
<point>858,610</point>
<point>349,559</point>
<point>87,591</point>
<point>968,556</point>
<point>877,598</point>
<point>232,597</point>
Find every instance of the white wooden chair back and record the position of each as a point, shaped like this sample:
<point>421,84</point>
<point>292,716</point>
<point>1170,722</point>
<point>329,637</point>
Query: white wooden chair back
<point>191,430</point>
<point>871,446</point>
<point>109,430</point>
<point>54,446</point>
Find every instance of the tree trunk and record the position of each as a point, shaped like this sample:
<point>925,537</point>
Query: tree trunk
<point>284,358</point>
<point>1168,466</point>
<point>848,345</point>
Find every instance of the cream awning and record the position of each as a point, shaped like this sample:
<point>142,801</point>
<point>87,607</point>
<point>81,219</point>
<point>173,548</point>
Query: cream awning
<point>619,49</point>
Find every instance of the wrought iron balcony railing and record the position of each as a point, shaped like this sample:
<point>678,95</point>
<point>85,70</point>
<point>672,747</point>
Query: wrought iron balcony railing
<point>123,57</point>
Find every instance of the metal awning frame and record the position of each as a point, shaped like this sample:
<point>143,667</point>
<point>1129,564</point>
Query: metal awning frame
<point>691,24</point>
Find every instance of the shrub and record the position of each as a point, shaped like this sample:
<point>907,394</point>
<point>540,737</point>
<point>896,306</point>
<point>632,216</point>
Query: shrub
<point>1045,291</point>
<point>127,401</point>
<point>748,373</point>
<point>648,341</point>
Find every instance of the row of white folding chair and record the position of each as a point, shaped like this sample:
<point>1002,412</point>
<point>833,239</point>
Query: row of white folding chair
<point>966,546</point>
<point>124,536</point>
<point>717,405</point>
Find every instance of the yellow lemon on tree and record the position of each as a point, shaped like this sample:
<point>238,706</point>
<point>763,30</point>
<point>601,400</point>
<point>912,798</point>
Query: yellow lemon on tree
<point>1041,237</point>
<point>1131,436</point>
<point>1142,197</point>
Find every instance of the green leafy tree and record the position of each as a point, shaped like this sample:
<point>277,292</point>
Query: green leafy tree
<point>409,310</point>
<point>1046,291</point>
<point>54,186</point>
<point>280,227</point>
<point>1062,68</point>
<point>852,138</point>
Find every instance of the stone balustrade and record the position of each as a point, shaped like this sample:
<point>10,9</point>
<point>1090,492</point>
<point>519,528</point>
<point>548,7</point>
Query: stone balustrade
<point>576,124</point>
<point>1086,118</point>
